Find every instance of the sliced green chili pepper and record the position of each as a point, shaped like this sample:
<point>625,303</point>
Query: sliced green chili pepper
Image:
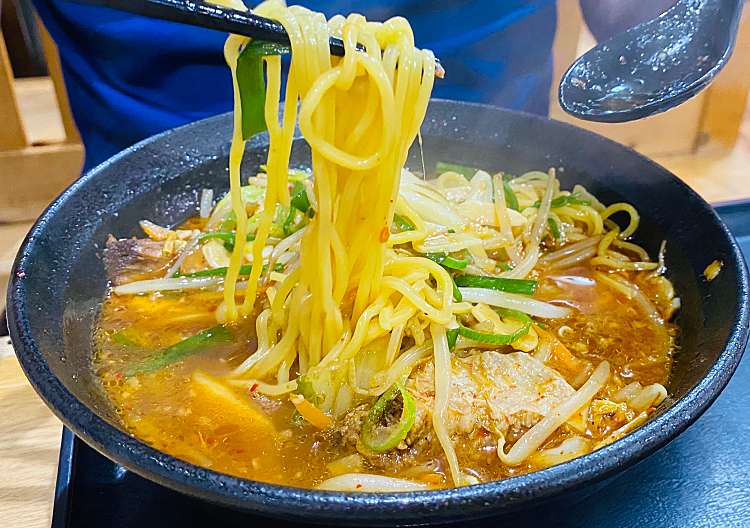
<point>181,350</point>
<point>252,85</point>
<point>245,269</point>
<point>380,438</point>
<point>447,261</point>
<point>553,228</point>
<point>494,339</point>
<point>504,266</point>
<point>402,224</point>
<point>467,172</point>
<point>522,286</point>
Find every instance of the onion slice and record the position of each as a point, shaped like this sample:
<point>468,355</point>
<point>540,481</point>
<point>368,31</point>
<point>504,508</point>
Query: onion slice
<point>207,197</point>
<point>367,482</point>
<point>152,285</point>
<point>513,301</point>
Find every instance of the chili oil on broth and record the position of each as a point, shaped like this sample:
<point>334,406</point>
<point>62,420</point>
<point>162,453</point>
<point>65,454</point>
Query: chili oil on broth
<point>164,409</point>
<point>605,325</point>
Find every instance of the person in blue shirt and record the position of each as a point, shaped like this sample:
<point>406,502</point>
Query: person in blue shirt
<point>129,77</point>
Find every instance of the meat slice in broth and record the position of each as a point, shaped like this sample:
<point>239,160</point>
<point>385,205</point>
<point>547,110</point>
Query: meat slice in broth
<point>491,393</point>
<point>495,391</point>
<point>129,259</point>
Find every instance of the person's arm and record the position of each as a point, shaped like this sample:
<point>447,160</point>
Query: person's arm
<point>606,18</point>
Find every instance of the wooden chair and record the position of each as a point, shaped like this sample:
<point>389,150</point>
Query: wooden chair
<point>33,170</point>
<point>35,165</point>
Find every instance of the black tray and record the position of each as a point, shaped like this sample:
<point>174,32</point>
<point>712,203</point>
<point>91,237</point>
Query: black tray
<point>701,479</point>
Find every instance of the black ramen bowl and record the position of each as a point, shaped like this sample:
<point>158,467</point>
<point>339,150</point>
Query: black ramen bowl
<point>58,282</point>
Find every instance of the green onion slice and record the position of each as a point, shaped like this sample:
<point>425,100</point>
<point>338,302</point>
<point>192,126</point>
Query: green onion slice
<point>229,223</point>
<point>510,197</point>
<point>181,350</point>
<point>380,438</point>
<point>562,201</point>
<point>123,338</point>
<point>226,236</point>
<point>245,269</point>
<point>456,292</point>
<point>289,222</point>
<point>467,172</point>
<point>494,339</point>
<point>298,202</point>
<point>299,199</point>
<point>305,388</point>
<point>402,224</point>
<point>553,228</point>
<point>505,266</point>
<point>252,85</point>
<point>447,261</point>
<point>522,286</point>
<point>514,314</point>
<point>452,335</point>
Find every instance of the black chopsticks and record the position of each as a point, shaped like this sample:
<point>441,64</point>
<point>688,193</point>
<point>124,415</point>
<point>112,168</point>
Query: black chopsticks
<point>215,17</point>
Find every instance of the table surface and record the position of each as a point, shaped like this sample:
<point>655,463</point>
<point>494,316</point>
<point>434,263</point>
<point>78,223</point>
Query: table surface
<point>30,439</point>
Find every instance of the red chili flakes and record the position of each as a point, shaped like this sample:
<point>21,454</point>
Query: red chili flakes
<point>384,234</point>
<point>254,387</point>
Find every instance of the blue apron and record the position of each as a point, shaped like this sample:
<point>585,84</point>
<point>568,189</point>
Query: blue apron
<point>130,77</point>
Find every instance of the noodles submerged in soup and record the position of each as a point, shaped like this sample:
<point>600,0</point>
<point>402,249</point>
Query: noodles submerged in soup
<point>358,327</point>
